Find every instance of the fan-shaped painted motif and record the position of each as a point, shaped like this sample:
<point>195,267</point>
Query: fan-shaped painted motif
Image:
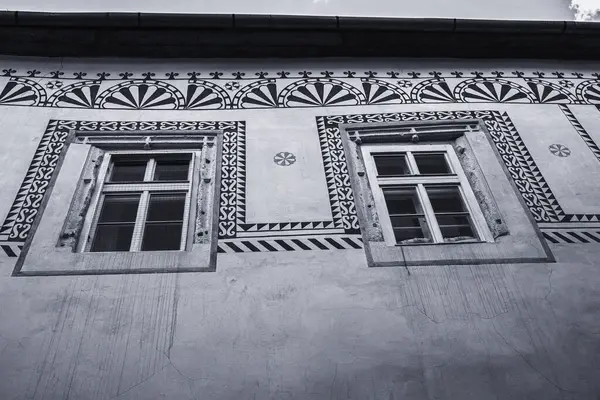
<point>206,95</point>
<point>141,95</point>
<point>548,92</point>
<point>77,95</point>
<point>320,92</point>
<point>485,90</point>
<point>258,94</point>
<point>22,92</point>
<point>432,91</point>
<point>589,92</point>
<point>382,92</point>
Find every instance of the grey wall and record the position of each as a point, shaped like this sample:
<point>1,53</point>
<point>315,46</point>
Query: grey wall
<point>308,324</point>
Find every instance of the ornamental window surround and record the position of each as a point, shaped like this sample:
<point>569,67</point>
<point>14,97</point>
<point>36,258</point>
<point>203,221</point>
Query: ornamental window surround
<point>436,192</point>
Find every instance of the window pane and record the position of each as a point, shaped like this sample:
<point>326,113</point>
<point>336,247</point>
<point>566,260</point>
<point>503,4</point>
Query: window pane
<point>445,199</point>
<point>451,214</point>
<point>411,236</point>
<point>166,207</point>
<point>406,215</point>
<point>128,171</point>
<point>430,164</point>
<point>402,201</point>
<point>119,208</point>
<point>391,164</point>
<point>112,237</point>
<point>171,170</point>
<point>162,236</point>
<point>457,233</point>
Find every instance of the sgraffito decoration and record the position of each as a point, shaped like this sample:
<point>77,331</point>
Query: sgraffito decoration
<point>284,244</point>
<point>284,159</point>
<point>522,168</point>
<point>289,89</point>
<point>581,131</point>
<point>559,150</point>
<point>232,224</point>
<point>572,236</point>
<point>36,185</point>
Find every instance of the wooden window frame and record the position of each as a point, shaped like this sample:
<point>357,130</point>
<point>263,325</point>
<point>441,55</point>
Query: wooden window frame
<point>456,178</point>
<point>145,188</point>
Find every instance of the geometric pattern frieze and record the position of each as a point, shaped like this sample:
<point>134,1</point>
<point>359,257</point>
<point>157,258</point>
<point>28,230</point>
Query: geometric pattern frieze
<point>290,89</point>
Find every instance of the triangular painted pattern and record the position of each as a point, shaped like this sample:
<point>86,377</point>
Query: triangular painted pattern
<point>502,131</point>
<point>581,131</point>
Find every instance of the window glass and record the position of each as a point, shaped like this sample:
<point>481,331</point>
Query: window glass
<point>113,237</point>
<point>432,164</point>
<point>128,171</point>
<point>164,223</point>
<point>115,225</point>
<point>391,164</point>
<point>407,216</point>
<point>119,208</point>
<point>452,216</point>
<point>166,207</point>
<point>171,170</point>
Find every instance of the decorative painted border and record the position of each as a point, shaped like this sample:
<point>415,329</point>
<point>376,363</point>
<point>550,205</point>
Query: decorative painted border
<point>241,90</point>
<point>290,244</point>
<point>19,220</point>
<point>581,130</point>
<point>527,177</point>
<point>571,236</point>
<point>232,207</point>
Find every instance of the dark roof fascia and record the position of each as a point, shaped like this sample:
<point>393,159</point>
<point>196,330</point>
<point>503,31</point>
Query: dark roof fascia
<point>237,35</point>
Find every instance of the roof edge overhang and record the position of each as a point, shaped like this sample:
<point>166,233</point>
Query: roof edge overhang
<point>287,36</point>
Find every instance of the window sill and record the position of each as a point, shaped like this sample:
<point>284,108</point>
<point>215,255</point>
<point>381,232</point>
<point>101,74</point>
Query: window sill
<point>440,244</point>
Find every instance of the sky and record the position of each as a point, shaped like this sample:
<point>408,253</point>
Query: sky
<point>500,9</point>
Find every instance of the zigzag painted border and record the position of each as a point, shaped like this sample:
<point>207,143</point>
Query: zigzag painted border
<point>18,223</point>
<point>232,207</point>
<point>571,236</point>
<point>523,169</point>
<point>581,130</point>
<point>25,207</point>
<point>290,244</point>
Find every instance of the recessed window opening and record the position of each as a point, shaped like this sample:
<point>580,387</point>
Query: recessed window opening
<point>143,203</point>
<point>422,195</point>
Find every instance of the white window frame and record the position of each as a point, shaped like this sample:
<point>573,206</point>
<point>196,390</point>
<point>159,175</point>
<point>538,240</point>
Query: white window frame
<point>456,178</point>
<point>144,188</point>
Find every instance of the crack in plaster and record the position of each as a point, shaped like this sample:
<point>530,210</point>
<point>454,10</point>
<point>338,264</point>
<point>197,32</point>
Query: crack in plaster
<point>140,383</point>
<point>540,373</point>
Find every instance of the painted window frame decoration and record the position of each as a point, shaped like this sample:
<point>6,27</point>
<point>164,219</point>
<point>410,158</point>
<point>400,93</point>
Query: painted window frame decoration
<point>420,183</point>
<point>519,162</point>
<point>234,233</point>
<point>513,242</point>
<point>146,188</point>
<point>90,152</point>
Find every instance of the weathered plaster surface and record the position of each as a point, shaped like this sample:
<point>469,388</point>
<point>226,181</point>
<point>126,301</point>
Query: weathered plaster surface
<point>309,324</point>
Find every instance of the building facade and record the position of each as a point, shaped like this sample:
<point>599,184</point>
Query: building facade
<point>360,228</point>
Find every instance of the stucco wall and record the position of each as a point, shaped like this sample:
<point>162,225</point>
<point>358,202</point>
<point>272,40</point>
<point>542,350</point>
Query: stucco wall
<point>311,324</point>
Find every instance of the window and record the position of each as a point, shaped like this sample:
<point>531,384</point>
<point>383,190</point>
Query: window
<point>143,203</point>
<point>422,195</point>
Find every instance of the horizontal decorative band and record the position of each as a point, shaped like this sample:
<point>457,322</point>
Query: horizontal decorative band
<point>572,236</point>
<point>12,249</point>
<point>286,226</point>
<point>290,244</point>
